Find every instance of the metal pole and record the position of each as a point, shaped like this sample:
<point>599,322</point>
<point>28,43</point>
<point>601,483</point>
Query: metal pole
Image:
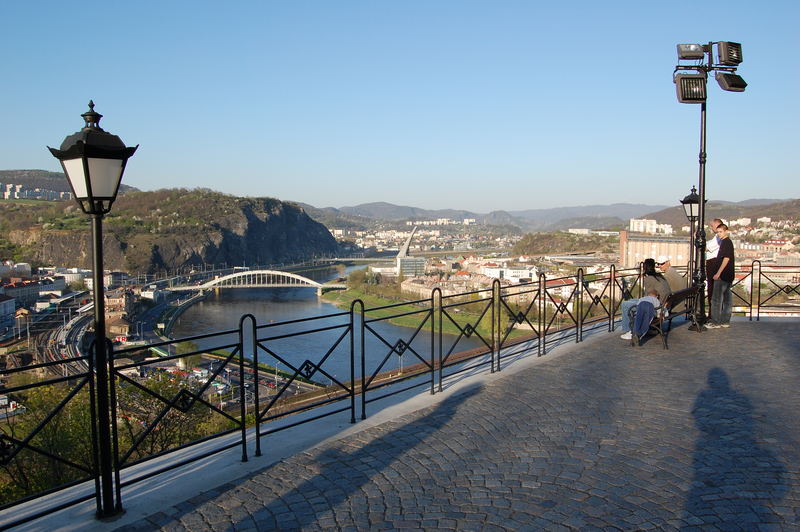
<point>700,235</point>
<point>106,473</point>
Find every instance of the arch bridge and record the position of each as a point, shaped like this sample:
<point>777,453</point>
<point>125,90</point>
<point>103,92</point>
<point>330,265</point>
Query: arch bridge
<point>261,279</point>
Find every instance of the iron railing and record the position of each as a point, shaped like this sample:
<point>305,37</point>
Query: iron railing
<point>214,392</point>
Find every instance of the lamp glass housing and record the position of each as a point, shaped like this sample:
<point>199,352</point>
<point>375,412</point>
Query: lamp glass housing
<point>690,51</point>
<point>730,82</point>
<point>691,88</point>
<point>692,211</point>
<point>730,53</point>
<point>102,181</point>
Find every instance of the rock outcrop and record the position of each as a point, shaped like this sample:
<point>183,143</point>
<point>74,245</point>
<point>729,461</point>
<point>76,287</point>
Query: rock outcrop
<point>151,231</point>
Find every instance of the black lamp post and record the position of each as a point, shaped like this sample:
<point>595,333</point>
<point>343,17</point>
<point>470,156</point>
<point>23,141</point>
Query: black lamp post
<point>93,161</point>
<point>691,88</point>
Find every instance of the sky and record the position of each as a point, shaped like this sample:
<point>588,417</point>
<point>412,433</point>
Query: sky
<point>438,104</point>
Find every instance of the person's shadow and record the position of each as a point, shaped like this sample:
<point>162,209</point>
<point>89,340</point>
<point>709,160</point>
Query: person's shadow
<point>736,480</point>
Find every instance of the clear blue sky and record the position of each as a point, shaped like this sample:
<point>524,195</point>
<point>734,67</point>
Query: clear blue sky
<point>479,105</point>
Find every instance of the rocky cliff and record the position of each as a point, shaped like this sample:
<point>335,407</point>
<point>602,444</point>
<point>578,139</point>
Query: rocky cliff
<point>167,229</point>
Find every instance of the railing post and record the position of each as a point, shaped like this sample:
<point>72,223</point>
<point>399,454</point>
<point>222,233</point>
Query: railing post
<point>495,324</point>
<point>433,341</point>
<point>758,288</point>
<point>579,305</point>
<point>252,350</point>
<point>245,338</point>
<point>114,434</point>
<point>353,358</point>
<point>438,293</point>
<point>640,280</point>
<point>542,310</point>
<point>613,300</point>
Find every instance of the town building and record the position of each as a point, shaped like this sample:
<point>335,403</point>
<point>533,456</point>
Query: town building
<point>636,247</point>
<point>7,309</point>
<point>636,225</point>
<point>410,266</point>
<point>26,292</point>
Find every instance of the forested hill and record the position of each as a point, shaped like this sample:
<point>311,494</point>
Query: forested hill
<point>149,231</point>
<point>783,210</point>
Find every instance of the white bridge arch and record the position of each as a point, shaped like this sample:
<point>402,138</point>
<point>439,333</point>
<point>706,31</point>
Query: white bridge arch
<point>261,279</point>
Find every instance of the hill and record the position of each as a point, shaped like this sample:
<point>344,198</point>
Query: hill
<point>778,210</point>
<point>559,242</point>
<point>165,229</point>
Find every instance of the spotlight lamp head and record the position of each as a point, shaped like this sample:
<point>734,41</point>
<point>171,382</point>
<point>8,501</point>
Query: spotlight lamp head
<point>730,82</point>
<point>691,88</point>
<point>730,53</point>
<point>691,51</point>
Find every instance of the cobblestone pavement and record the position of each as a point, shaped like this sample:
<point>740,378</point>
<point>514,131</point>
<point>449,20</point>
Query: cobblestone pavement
<point>702,436</point>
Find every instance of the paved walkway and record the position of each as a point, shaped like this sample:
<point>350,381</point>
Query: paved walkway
<point>607,436</point>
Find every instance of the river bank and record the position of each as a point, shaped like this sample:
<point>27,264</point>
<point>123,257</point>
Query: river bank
<point>468,314</point>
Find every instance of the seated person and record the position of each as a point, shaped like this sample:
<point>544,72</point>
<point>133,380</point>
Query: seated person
<point>676,280</point>
<point>645,312</point>
<point>652,280</point>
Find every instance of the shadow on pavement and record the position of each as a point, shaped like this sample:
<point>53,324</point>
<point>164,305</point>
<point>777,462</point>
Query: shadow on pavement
<point>338,475</point>
<point>737,481</point>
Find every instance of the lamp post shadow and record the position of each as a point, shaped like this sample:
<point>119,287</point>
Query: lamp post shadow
<point>737,480</point>
<point>325,479</point>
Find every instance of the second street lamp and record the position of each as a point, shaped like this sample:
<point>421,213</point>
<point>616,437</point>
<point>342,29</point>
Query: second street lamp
<point>691,207</point>
<point>93,161</point>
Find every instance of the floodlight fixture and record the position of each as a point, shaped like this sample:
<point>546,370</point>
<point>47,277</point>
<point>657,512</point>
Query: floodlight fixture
<point>691,88</point>
<point>730,53</point>
<point>730,82</point>
<point>691,51</point>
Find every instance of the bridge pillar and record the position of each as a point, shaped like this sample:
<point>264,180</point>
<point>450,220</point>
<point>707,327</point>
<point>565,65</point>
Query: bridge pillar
<point>319,291</point>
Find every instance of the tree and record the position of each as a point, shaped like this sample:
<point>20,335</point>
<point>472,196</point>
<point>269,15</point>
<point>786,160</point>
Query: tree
<point>190,361</point>
<point>65,438</point>
<point>78,286</point>
<point>140,409</point>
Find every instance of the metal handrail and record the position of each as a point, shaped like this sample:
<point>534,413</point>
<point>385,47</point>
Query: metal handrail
<point>509,321</point>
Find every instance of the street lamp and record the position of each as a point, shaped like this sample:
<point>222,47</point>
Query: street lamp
<point>692,88</point>
<point>691,207</point>
<point>93,161</point>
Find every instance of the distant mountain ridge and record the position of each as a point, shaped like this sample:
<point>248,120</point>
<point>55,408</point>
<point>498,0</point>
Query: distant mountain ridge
<point>611,216</point>
<point>542,220</point>
<point>726,211</point>
<point>589,216</point>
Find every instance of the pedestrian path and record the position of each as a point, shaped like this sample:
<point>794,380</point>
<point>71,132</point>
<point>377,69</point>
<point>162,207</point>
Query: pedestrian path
<point>604,436</point>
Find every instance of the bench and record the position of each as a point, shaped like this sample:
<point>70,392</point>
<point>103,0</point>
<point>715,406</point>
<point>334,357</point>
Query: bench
<point>664,314</point>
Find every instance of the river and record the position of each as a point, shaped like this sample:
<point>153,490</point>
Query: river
<point>275,306</point>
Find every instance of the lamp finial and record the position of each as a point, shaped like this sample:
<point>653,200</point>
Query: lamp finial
<point>91,118</point>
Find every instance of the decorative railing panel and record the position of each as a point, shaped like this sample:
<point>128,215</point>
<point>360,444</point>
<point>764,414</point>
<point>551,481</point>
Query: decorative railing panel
<point>215,392</point>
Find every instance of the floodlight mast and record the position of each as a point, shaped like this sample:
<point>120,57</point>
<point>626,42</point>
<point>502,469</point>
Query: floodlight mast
<point>692,88</point>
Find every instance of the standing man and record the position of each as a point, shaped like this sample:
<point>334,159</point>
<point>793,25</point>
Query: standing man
<point>721,302</point>
<point>676,280</point>
<point>712,249</point>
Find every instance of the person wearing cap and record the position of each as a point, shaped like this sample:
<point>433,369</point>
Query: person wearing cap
<point>676,280</point>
